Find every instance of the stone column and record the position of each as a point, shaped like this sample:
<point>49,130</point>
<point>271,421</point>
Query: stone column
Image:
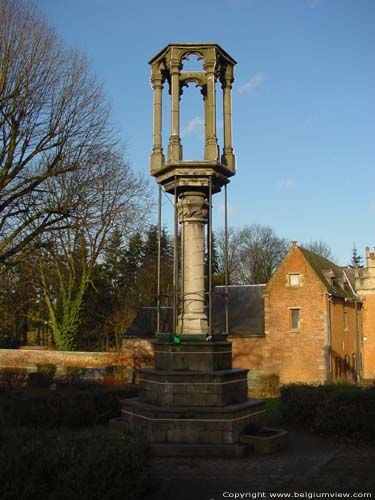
<point>192,212</point>
<point>211,147</point>
<point>228,156</point>
<point>175,149</point>
<point>157,157</point>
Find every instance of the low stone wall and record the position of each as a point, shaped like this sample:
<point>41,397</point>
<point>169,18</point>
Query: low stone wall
<point>136,354</point>
<point>27,358</point>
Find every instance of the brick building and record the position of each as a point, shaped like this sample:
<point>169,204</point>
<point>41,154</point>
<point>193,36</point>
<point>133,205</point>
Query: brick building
<point>312,320</point>
<point>365,287</point>
<point>305,325</point>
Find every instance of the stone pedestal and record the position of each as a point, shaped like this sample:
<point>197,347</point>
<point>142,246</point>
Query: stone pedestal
<point>193,402</point>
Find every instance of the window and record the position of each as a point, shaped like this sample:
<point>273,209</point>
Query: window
<point>294,280</point>
<point>345,318</point>
<point>346,365</point>
<point>337,367</point>
<point>295,319</point>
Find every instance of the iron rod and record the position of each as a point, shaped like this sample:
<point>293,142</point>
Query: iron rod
<point>175,260</point>
<point>209,250</point>
<point>182,274</point>
<point>159,264</point>
<point>226,260</point>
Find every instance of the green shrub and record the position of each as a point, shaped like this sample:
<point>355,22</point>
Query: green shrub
<point>51,409</point>
<point>74,375</point>
<point>117,375</point>
<point>13,377</point>
<point>43,377</point>
<point>47,368</point>
<point>71,406</point>
<point>269,385</point>
<point>94,464</point>
<point>333,410</point>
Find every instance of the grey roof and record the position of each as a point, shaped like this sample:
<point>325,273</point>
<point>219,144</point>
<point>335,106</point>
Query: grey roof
<point>330,274</point>
<point>245,308</point>
<point>144,324</point>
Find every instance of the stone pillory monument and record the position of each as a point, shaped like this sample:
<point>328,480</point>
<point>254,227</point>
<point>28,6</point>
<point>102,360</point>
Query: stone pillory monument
<point>192,402</point>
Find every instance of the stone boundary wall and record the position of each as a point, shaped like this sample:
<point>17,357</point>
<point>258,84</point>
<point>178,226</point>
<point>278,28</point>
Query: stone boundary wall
<point>136,354</point>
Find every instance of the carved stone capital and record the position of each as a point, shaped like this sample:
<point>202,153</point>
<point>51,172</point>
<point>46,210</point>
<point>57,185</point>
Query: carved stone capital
<point>174,67</point>
<point>157,82</point>
<point>226,84</point>
<point>192,207</point>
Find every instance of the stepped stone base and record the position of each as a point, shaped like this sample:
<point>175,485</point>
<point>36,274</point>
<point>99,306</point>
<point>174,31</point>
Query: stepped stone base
<point>191,425</point>
<point>193,402</point>
<point>193,388</point>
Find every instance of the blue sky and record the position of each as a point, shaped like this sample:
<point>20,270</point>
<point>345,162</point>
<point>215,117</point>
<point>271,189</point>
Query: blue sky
<point>303,102</point>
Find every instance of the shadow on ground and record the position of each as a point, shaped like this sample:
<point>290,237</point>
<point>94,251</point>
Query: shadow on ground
<point>311,464</point>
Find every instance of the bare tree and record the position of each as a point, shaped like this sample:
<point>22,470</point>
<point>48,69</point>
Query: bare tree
<point>108,196</point>
<point>321,248</point>
<point>234,243</point>
<point>52,115</point>
<point>261,252</point>
<point>254,252</point>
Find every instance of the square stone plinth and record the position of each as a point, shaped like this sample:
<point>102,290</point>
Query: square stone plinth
<point>193,388</point>
<point>193,356</point>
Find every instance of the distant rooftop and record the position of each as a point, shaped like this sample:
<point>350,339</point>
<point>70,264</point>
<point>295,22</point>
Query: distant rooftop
<point>246,314</point>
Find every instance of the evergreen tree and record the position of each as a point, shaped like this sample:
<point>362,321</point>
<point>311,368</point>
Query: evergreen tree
<point>356,258</point>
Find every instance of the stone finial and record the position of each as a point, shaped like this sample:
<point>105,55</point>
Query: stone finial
<point>294,243</point>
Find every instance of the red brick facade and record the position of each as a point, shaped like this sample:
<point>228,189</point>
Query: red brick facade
<point>296,354</point>
<point>313,326</point>
<point>365,286</point>
<point>322,343</point>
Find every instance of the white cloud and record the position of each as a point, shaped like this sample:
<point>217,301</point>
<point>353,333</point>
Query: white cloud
<point>232,209</point>
<point>252,84</point>
<point>288,184</point>
<point>196,123</point>
<point>311,4</point>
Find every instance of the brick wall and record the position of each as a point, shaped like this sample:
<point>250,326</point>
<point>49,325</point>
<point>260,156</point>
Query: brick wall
<point>136,353</point>
<point>365,286</point>
<point>344,338</point>
<point>297,356</point>
<point>369,336</point>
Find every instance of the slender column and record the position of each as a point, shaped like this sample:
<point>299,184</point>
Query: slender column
<point>204,95</point>
<point>175,150</point>
<point>157,157</point>
<point>211,147</point>
<point>228,156</point>
<point>193,211</point>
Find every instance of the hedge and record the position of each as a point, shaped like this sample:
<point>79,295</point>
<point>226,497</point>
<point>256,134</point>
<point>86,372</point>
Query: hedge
<point>94,464</point>
<point>333,410</point>
<point>66,407</point>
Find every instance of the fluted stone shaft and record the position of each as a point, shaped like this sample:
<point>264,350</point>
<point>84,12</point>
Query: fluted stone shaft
<point>175,150</point>
<point>192,212</point>
<point>227,112</point>
<point>211,147</point>
<point>157,157</point>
